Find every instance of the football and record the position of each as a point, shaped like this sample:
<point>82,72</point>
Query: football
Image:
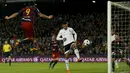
<point>86,42</point>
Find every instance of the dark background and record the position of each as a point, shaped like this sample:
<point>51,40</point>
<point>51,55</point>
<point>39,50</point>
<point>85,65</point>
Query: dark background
<point>57,6</point>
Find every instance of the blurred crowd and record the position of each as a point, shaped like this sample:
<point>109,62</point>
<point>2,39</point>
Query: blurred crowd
<point>90,26</point>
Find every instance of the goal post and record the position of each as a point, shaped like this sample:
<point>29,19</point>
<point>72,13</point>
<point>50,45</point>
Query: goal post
<point>109,37</point>
<point>118,21</point>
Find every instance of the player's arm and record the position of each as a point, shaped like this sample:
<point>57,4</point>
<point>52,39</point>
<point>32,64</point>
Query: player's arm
<point>75,34</point>
<point>45,16</point>
<point>10,47</point>
<point>59,36</point>
<point>11,16</point>
<point>42,15</point>
<point>14,14</point>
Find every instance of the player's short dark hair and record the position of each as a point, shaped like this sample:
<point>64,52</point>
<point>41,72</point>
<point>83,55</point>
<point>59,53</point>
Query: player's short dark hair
<point>65,22</point>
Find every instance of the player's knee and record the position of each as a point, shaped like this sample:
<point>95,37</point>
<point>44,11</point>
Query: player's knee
<point>9,56</point>
<point>67,56</point>
<point>73,46</point>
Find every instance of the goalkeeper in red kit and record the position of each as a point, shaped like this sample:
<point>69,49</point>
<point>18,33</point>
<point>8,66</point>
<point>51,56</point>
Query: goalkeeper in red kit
<point>28,15</point>
<point>55,51</point>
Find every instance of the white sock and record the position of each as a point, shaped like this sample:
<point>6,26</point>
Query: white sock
<point>116,63</point>
<point>76,51</point>
<point>67,64</point>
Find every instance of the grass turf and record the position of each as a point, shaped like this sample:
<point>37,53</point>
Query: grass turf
<point>123,68</point>
<point>59,68</point>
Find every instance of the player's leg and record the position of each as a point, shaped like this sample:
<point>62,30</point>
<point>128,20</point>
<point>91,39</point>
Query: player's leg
<point>114,57</point>
<point>50,64</point>
<point>116,63</point>
<point>56,59</point>
<point>67,62</point>
<point>76,51</point>
<point>113,64</point>
<point>55,62</point>
<point>127,61</point>
<point>53,58</point>
<point>67,52</point>
<point>6,60</point>
<point>9,59</point>
<point>28,28</point>
<point>5,57</point>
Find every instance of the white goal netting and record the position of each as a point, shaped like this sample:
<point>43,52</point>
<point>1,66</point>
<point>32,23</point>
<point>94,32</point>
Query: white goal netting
<point>119,21</point>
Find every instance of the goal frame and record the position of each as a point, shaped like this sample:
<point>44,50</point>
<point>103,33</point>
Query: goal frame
<point>109,58</point>
<point>109,22</point>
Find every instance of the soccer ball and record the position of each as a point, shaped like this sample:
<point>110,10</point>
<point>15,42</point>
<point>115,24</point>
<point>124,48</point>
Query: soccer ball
<point>86,42</point>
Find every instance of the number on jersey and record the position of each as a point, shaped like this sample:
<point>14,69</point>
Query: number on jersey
<point>27,11</point>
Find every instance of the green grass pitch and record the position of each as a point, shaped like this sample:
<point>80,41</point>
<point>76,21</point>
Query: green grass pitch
<point>123,68</point>
<point>59,68</point>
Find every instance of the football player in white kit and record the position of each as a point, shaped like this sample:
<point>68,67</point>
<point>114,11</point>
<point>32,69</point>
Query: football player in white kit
<point>69,38</point>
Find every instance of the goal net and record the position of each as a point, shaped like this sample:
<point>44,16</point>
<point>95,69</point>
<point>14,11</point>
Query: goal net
<point>118,37</point>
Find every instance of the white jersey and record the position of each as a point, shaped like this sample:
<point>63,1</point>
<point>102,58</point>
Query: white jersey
<point>69,34</point>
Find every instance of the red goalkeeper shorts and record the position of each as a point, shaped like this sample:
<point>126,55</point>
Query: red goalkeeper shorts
<point>28,28</point>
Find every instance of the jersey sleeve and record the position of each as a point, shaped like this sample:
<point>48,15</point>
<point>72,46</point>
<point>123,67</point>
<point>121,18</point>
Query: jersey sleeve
<point>74,33</point>
<point>37,10</point>
<point>59,36</point>
<point>20,12</point>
